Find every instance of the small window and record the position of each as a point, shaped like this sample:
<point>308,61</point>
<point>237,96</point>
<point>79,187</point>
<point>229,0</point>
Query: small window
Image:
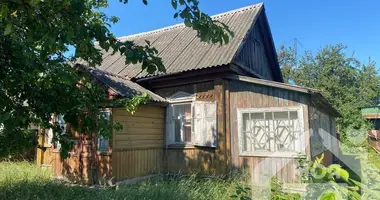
<point>62,125</point>
<point>103,143</point>
<point>271,131</point>
<point>191,122</point>
<point>182,120</point>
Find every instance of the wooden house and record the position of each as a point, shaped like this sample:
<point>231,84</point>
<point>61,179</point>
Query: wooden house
<point>216,109</point>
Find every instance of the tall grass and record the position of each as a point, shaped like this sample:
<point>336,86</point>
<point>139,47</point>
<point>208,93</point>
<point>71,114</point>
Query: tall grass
<point>23,180</point>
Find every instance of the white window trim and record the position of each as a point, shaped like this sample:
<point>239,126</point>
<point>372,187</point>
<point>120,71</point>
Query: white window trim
<point>241,111</point>
<point>180,101</point>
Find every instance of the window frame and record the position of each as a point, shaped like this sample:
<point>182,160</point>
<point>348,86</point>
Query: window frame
<point>98,149</point>
<point>171,118</point>
<point>298,109</point>
<point>180,98</point>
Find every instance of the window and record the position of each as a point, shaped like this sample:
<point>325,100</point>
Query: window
<point>191,122</point>
<point>103,142</point>
<point>181,120</point>
<point>49,134</point>
<point>271,131</point>
<point>62,125</point>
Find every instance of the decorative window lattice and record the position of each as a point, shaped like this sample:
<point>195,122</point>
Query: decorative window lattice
<point>271,131</point>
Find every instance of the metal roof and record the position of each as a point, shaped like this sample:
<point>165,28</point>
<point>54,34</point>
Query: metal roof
<point>121,85</point>
<point>180,48</point>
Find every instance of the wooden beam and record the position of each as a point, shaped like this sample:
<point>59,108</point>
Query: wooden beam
<point>241,69</point>
<point>268,83</point>
<point>221,148</point>
<point>227,124</point>
<point>371,116</point>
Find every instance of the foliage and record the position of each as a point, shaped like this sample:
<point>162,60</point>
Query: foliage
<point>132,104</point>
<point>343,80</point>
<point>10,144</point>
<point>242,193</point>
<point>334,182</point>
<point>277,192</point>
<point>26,181</point>
<point>37,76</point>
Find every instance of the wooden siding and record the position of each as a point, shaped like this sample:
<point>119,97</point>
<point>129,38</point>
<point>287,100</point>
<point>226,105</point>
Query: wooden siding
<point>196,159</point>
<point>138,147</point>
<point>143,129</point>
<point>204,91</point>
<point>129,164</point>
<point>253,56</point>
<point>317,123</point>
<point>192,160</point>
<point>249,95</point>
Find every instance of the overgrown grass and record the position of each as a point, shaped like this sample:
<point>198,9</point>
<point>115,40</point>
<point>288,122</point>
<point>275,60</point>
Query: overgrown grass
<point>23,180</point>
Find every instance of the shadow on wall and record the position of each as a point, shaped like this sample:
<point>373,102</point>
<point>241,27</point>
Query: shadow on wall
<point>203,160</point>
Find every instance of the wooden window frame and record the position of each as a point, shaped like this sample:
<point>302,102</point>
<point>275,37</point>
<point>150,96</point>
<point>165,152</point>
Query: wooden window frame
<point>298,109</point>
<point>169,116</point>
<point>103,151</point>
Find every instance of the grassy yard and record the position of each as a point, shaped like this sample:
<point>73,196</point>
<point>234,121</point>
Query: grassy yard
<point>23,180</point>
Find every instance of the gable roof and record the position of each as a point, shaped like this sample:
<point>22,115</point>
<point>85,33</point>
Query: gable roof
<point>121,85</point>
<point>180,48</point>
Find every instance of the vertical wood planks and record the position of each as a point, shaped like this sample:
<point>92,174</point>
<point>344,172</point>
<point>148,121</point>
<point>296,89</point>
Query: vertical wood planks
<point>250,95</point>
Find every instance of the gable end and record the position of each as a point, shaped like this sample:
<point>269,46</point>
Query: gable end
<point>257,54</point>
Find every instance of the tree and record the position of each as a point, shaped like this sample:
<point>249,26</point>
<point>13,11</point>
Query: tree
<point>344,81</point>
<point>36,78</point>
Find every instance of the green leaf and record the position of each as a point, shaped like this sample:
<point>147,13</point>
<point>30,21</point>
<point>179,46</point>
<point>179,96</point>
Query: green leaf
<point>174,4</point>
<point>8,29</point>
<point>344,174</point>
<point>175,15</point>
<point>187,22</point>
<point>145,2</point>
<point>328,195</point>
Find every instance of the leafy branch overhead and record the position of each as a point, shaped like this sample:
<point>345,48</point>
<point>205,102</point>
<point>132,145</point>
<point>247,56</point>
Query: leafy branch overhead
<point>37,76</point>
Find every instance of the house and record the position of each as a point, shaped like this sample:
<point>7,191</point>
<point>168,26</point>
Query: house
<point>216,109</point>
<point>372,114</point>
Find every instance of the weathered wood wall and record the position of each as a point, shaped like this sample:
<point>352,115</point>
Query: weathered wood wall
<point>139,147</point>
<point>253,54</point>
<point>318,124</point>
<point>196,159</point>
<point>250,95</point>
<point>84,163</point>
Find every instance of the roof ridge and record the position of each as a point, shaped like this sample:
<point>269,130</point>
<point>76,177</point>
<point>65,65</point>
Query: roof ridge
<point>183,25</point>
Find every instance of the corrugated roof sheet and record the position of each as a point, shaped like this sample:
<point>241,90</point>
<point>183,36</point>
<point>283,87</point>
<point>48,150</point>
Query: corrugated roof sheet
<point>180,48</point>
<point>121,85</point>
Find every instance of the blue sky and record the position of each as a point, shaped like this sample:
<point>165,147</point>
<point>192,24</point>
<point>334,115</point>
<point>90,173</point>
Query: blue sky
<point>316,23</point>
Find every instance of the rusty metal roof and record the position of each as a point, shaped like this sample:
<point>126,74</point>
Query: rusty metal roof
<point>180,48</point>
<point>121,85</point>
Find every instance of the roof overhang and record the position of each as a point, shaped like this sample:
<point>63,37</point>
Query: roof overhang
<point>122,87</point>
<point>316,96</point>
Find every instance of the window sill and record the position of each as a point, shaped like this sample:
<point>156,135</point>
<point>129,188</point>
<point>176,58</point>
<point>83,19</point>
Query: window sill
<point>272,154</point>
<point>103,153</point>
<point>188,146</point>
<point>181,146</point>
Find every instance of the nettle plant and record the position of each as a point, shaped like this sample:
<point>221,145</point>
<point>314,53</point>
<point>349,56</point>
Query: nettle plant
<point>37,79</point>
